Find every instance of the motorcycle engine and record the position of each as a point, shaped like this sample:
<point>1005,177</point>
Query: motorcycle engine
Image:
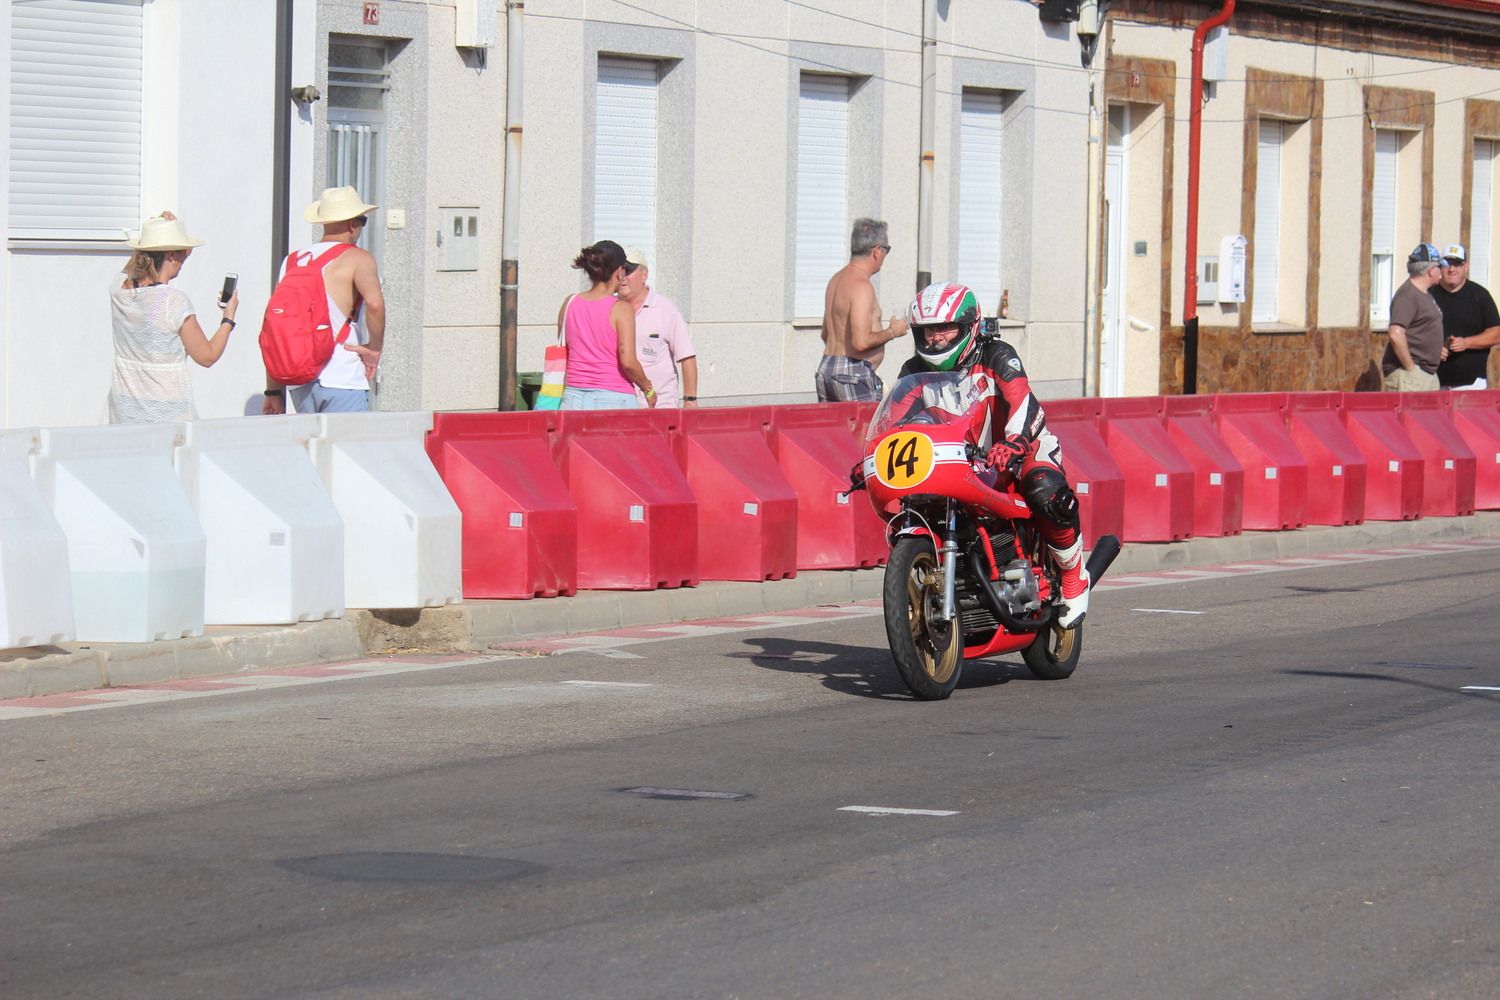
<point>1018,588</point>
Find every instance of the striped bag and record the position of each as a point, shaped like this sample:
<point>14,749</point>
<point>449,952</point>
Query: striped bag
<point>554,369</point>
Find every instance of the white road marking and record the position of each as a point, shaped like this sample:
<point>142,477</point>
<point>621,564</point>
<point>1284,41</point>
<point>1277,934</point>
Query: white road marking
<point>607,684</point>
<point>1478,687</point>
<point>1165,611</point>
<point>685,793</point>
<point>896,811</point>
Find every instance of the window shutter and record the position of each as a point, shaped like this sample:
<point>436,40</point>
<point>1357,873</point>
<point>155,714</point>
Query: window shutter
<point>75,119</point>
<point>1481,226</point>
<point>1383,226</point>
<point>979,182</point>
<point>1267,237</point>
<point>822,188</point>
<point>625,154</point>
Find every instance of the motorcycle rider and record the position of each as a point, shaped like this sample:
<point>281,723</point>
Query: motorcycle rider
<point>947,334</point>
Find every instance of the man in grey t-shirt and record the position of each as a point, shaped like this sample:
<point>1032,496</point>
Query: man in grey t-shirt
<point>1415,346</point>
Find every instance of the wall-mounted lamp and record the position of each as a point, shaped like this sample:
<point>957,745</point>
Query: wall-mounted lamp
<point>305,94</point>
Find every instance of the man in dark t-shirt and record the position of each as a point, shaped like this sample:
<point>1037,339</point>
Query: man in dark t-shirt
<point>1414,338</point>
<point>1471,323</point>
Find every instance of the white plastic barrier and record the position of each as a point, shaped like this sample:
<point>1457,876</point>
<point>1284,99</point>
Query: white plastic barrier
<point>275,540</point>
<point>135,548</point>
<point>402,530</point>
<point>36,593</point>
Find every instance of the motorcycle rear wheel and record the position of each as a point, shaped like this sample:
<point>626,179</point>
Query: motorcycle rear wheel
<point>928,652</point>
<point>1054,654</point>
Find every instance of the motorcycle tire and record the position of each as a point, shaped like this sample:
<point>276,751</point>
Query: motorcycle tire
<point>929,654</point>
<point>1054,654</point>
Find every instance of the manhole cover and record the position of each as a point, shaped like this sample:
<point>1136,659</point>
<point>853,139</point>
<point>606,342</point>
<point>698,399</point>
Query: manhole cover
<point>395,866</point>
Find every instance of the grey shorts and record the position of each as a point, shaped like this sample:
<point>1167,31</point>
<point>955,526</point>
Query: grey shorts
<point>842,379</point>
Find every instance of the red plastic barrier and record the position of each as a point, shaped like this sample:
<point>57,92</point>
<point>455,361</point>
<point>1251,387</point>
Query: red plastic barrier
<point>1158,476</point>
<point>1335,465</point>
<point>1448,489</point>
<point>1091,468</point>
<point>1476,414</point>
<point>816,445</point>
<point>520,526</point>
<point>1253,425</point>
<point>637,516</point>
<point>1218,477</point>
<point>1393,465</point>
<point>747,511</point>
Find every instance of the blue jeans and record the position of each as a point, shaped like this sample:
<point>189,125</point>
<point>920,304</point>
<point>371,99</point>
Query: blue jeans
<point>598,399</point>
<point>314,397</point>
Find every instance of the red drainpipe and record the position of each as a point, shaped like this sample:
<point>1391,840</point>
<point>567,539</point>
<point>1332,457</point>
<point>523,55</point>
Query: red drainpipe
<point>1195,140</point>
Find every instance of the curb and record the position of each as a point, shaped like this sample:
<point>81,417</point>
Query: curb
<point>46,670</point>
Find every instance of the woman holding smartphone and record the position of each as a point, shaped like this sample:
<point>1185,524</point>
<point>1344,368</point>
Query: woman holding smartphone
<point>155,329</point>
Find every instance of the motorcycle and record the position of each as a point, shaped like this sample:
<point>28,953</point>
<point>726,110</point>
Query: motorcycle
<point>969,575</point>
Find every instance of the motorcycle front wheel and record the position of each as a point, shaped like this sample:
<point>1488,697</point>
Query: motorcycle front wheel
<point>1054,654</point>
<point>928,652</point>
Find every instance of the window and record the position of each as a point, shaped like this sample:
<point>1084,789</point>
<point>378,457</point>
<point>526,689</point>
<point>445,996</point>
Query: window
<point>1482,203</point>
<point>979,213</point>
<point>822,229</point>
<point>358,79</point>
<point>1267,237</point>
<point>625,148</point>
<point>75,119</point>
<point>1383,225</point>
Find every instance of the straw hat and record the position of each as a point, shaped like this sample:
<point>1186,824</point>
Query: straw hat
<point>337,205</point>
<point>158,233</point>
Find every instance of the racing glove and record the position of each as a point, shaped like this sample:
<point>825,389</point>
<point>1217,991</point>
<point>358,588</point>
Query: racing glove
<point>1010,454</point>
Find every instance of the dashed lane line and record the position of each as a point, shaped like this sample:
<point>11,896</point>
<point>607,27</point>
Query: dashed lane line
<point>612,643</point>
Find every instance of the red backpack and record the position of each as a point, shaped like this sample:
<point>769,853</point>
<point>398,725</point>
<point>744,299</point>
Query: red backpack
<point>296,335</point>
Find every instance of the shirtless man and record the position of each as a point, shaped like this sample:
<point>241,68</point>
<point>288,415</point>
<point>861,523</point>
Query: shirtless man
<point>853,339</point>
<point>344,383</point>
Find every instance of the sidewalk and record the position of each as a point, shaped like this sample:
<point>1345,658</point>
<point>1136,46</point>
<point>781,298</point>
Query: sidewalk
<point>45,670</point>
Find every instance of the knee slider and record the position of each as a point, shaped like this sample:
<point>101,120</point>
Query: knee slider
<point>1048,492</point>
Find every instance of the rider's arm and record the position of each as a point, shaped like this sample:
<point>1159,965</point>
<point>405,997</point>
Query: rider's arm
<point>1022,411</point>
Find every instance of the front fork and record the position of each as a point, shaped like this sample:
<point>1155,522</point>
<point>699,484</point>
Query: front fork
<point>949,552</point>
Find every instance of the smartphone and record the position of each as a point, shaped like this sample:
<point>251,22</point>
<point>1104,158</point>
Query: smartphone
<point>230,281</point>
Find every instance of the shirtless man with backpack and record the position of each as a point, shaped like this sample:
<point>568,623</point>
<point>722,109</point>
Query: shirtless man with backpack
<point>346,327</point>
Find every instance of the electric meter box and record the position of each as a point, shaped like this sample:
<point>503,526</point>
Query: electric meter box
<point>1232,253</point>
<point>476,25</point>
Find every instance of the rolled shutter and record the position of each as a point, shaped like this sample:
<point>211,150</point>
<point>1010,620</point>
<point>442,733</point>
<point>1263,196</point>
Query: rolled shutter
<point>1383,226</point>
<point>979,184</point>
<point>75,119</point>
<point>1267,245</point>
<point>822,188</point>
<point>625,153</point>
<point>1480,227</point>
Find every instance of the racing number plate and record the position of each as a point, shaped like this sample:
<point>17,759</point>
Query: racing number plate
<point>904,459</point>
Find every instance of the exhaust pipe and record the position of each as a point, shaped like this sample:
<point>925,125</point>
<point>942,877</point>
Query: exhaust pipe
<point>1105,550</point>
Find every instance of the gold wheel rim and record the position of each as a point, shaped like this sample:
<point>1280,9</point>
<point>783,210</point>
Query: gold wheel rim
<point>1062,643</point>
<point>924,596</point>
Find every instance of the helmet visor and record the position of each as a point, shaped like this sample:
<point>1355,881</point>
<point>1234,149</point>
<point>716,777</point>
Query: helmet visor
<point>940,346</point>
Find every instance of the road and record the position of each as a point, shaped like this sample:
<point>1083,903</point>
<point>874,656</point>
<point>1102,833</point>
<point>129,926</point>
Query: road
<point>1275,784</point>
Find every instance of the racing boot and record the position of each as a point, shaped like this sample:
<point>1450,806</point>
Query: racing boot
<point>1075,583</point>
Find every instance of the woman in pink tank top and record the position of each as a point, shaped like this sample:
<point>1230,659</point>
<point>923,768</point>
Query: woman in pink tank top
<point>599,331</point>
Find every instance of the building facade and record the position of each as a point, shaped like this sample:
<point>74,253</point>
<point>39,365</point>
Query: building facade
<point>1335,137</point>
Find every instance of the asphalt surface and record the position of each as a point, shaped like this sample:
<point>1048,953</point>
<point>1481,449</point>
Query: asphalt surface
<point>1271,784</point>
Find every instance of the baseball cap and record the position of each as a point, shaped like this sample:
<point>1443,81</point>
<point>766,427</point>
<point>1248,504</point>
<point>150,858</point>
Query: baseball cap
<point>634,259</point>
<point>1455,251</point>
<point>1426,252</point>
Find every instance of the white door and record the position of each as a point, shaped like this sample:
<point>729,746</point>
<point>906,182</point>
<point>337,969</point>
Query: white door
<point>1112,315</point>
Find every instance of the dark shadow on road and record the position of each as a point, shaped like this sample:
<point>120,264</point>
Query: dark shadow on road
<point>867,673</point>
<point>1388,678</point>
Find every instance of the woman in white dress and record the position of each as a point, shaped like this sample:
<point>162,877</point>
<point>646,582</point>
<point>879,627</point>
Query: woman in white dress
<point>156,331</point>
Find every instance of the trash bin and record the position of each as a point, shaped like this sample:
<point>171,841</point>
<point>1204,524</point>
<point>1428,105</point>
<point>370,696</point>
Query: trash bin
<point>528,384</point>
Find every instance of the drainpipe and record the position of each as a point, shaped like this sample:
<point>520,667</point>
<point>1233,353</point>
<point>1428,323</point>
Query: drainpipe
<point>1195,136</point>
<point>281,140</point>
<point>929,142</point>
<point>510,235</point>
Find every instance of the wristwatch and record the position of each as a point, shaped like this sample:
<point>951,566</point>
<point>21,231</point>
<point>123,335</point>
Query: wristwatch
<point>690,399</point>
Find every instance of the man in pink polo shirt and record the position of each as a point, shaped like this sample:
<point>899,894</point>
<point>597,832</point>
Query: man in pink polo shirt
<point>662,341</point>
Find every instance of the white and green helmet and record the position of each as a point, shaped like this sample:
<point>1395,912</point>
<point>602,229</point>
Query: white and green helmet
<point>944,303</point>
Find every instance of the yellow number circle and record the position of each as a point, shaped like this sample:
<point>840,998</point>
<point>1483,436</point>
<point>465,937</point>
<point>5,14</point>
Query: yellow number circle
<point>904,460</point>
